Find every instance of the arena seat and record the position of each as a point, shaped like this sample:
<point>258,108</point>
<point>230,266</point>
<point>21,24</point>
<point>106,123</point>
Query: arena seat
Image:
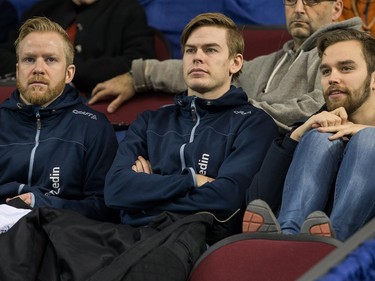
<point>263,40</point>
<point>162,47</point>
<point>261,257</point>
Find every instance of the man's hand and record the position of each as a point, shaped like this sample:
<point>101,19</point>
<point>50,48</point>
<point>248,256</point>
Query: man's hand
<point>121,87</point>
<point>142,165</point>
<point>201,180</point>
<point>26,197</point>
<point>323,119</point>
<point>341,131</point>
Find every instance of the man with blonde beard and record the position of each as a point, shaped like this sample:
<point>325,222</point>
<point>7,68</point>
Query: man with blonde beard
<point>54,150</point>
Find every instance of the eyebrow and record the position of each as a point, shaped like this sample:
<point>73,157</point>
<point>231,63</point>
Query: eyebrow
<point>204,45</point>
<point>340,63</point>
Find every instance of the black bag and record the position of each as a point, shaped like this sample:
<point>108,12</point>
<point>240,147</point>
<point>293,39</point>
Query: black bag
<point>167,255</point>
<point>61,245</point>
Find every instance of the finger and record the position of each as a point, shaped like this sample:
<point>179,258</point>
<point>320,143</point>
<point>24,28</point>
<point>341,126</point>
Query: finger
<point>145,165</point>
<point>134,168</point>
<point>343,114</point>
<point>98,88</point>
<point>139,166</point>
<point>100,95</point>
<point>337,135</point>
<point>115,104</point>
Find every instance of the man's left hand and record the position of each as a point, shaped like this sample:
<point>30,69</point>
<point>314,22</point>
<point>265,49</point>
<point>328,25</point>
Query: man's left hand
<point>142,165</point>
<point>340,131</point>
<point>26,197</point>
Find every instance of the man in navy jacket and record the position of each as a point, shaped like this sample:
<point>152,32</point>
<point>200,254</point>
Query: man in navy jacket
<point>54,150</point>
<point>197,155</point>
<point>201,153</point>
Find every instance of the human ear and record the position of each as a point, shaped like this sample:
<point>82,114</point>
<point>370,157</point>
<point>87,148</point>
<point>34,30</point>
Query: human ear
<point>70,71</point>
<point>337,9</point>
<point>236,64</point>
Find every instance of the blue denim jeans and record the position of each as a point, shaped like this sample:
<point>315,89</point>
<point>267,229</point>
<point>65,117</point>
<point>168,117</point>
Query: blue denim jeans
<point>318,166</point>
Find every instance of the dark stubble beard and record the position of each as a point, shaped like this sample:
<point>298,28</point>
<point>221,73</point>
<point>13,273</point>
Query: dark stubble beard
<point>354,99</point>
<point>35,96</point>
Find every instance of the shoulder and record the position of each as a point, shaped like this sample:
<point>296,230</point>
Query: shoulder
<point>85,114</point>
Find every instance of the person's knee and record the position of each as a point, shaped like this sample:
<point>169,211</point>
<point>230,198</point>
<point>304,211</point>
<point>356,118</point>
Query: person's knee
<point>316,138</point>
<point>364,140</point>
<point>317,144</point>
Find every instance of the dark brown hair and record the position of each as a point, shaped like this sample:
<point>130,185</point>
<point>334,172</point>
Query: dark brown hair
<point>341,35</point>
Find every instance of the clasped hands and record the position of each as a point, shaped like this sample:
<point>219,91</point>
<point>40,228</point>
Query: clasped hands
<point>335,122</point>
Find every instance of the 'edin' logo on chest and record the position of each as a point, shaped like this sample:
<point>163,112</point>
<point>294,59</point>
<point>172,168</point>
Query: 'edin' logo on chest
<point>203,163</point>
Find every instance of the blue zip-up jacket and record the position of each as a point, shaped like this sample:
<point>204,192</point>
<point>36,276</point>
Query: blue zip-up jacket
<point>60,153</point>
<point>225,139</point>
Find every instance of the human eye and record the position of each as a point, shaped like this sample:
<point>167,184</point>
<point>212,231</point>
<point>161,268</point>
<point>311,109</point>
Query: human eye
<point>51,59</point>
<point>311,2</point>
<point>189,50</point>
<point>346,68</point>
<point>289,2</point>
<point>325,71</point>
<point>211,50</point>
<point>28,60</point>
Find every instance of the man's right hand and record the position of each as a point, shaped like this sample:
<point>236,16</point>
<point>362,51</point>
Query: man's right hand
<point>201,180</point>
<point>121,87</point>
<point>323,119</point>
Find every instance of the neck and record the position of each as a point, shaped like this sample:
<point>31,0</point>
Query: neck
<point>209,95</point>
<point>365,115</point>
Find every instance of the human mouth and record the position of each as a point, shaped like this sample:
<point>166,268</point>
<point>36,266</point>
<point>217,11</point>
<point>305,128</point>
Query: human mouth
<point>298,22</point>
<point>336,93</point>
<point>197,71</point>
<point>38,83</point>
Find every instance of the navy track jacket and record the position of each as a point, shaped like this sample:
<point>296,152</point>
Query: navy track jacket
<point>60,153</point>
<point>225,139</point>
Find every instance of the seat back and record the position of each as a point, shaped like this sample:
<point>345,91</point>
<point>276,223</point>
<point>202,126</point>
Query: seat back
<point>127,113</point>
<point>256,256</point>
<point>162,47</point>
<point>263,40</point>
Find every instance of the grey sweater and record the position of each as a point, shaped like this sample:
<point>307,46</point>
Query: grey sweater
<point>286,83</point>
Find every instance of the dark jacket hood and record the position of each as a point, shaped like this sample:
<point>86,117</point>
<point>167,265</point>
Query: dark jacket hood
<point>69,97</point>
<point>234,97</point>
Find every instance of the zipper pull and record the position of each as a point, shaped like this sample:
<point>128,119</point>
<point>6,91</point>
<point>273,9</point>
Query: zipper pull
<point>193,110</point>
<point>38,122</point>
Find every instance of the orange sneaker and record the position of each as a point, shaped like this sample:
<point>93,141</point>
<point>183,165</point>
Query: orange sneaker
<point>259,217</point>
<point>318,224</point>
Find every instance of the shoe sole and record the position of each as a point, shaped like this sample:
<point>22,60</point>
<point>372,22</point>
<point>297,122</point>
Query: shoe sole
<point>318,225</point>
<point>259,218</point>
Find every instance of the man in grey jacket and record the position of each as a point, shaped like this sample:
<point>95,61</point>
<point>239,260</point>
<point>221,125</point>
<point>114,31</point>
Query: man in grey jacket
<point>286,83</point>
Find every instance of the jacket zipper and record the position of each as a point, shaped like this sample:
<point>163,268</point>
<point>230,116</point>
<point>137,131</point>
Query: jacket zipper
<point>32,156</point>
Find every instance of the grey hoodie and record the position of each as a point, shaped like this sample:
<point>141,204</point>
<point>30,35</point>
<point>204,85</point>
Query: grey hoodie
<point>285,84</point>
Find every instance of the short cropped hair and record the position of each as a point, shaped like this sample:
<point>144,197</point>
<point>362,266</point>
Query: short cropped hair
<point>235,41</point>
<point>43,24</point>
<point>340,35</point>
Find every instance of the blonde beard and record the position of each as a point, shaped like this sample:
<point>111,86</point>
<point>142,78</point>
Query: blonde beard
<point>35,96</point>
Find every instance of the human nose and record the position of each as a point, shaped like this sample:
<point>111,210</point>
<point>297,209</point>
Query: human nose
<point>38,67</point>
<point>198,56</point>
<point>299,6</point>
<point>334,77</point>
